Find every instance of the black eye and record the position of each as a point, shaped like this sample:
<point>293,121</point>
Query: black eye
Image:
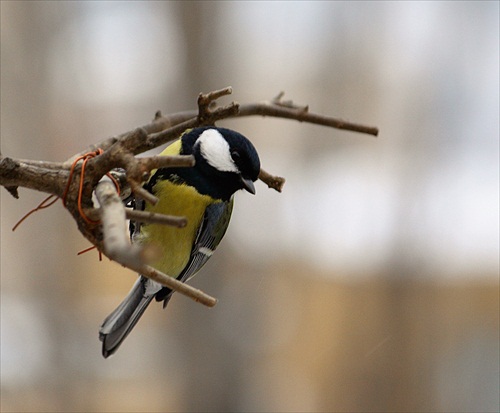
<point>236,156</point>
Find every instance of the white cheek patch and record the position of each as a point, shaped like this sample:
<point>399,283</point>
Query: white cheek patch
<point>215,149</point>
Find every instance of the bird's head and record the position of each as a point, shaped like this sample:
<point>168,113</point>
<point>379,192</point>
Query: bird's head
<point>226,161</point>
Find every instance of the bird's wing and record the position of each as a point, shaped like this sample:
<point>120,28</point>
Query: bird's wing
<point>212,229</point>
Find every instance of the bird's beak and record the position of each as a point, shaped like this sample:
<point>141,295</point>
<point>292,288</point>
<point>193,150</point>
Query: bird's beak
<point>248,185</point>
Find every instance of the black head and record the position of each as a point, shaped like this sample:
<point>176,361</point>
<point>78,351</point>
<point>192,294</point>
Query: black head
<point>226,162</point>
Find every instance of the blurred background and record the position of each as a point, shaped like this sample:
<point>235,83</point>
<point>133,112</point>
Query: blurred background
<point>370,284</point>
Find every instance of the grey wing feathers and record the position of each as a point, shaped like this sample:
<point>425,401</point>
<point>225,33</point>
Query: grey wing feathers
<point>212,230</point>
<point>120,322</point>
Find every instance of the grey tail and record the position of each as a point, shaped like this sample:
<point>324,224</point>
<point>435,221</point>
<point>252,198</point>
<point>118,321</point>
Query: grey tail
<point>120,322</point>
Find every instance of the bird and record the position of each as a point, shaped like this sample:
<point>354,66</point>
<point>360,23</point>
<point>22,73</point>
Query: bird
<point>225,162</point>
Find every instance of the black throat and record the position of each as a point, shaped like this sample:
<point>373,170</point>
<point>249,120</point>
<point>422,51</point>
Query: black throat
<point>211,182</point>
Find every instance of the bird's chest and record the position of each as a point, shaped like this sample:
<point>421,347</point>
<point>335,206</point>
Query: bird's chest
<point>175,244</point>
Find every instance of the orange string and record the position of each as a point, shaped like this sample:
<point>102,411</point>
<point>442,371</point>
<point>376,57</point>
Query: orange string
<point>42,205</point>
<point>90,249</point>
<point>71,172</point>
<point>45,203</point>
<point>86,157</point>
<point>80,190</point>
<point>86,250</point>
<point>114,180</point>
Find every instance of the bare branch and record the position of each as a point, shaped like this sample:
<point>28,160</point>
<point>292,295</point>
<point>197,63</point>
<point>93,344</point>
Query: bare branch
<point>208,113</point>
<point>42,164</point>
<point>116,240</point>
<point>155,162</point>
<point>117,157</point>
<point>208,98</point>
<point>302,114</point>
<point>139,191</point>
<point>205,116</point>
<point>182,288</point>
<point>275,182</point>
<point>275,108</point>
<point>165,128</point>
<point>143,217</point>
<point>14,173</point>
<point>288,103</point>
<point>155,218</point>
<point>159,138</point>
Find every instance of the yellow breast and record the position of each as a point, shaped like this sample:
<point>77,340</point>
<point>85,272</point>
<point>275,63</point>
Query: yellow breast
<point>175,243</point>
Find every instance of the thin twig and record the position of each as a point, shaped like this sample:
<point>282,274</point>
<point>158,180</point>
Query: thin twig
<point>274,108</point>
<point>155,218</point>
<point>143,217</point>
<point>302,115</point>
<point>174,284</point>
<point>139,191</point>
<point>155,162</point>
<point>159,138</point>
<point>207,98</point>
<point>275,182</point>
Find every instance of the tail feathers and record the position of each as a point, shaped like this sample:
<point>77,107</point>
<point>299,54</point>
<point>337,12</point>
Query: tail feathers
<point>120,322</point>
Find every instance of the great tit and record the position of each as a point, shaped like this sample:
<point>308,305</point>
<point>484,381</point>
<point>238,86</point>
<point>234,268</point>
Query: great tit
<point>225,162</point>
